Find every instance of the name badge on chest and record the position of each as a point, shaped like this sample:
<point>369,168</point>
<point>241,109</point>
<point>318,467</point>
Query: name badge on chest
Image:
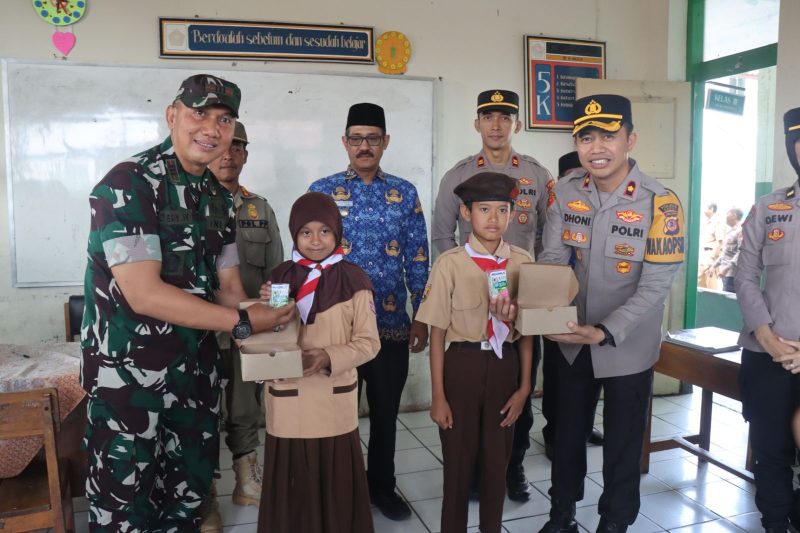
<point>344,206</point>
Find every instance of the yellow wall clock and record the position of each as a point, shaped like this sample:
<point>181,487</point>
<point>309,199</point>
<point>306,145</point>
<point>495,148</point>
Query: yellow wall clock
<point>60,12</point>
<point>392,51</point>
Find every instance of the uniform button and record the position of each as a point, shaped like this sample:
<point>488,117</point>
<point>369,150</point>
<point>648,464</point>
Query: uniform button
<point>370,209</point>
<point>381,219</point>
<point>370,263</point>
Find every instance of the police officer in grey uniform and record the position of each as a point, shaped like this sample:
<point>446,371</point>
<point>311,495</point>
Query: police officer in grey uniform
<point>626,233</point>
<point>771,351</point>
<point>258,242</point>
<point>497,122</point>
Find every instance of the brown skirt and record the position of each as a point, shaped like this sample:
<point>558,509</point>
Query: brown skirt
<point>314,486</point>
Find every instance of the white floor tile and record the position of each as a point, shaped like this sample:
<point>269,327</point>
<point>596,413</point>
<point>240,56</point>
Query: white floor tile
<point>671,510</point>
<point>423,485</point>
<point>722,498</point>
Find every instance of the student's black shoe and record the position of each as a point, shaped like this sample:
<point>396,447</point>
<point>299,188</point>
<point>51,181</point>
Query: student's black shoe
<point>562,518</point>
<point>609,526</point>
<point>517,484</point>
<point>595,437</point>
<point>391,505</point>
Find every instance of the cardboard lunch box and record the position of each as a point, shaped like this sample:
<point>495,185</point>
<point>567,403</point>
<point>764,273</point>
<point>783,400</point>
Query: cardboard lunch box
<point>545,292</point>
<point>269,354</point>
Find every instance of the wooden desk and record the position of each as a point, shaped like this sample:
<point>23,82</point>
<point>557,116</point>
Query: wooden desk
<point>714,373</point>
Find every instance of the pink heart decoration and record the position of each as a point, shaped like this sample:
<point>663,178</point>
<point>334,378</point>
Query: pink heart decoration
<point>64,41</point>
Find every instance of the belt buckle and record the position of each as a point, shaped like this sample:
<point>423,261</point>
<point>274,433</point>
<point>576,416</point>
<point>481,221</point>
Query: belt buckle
<point>486,346</point>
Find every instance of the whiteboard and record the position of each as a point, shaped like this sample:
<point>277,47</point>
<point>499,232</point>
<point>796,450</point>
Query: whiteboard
<point>67,125</point>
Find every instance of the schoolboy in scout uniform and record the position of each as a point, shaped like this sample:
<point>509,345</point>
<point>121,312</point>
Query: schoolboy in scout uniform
<point>162,273</point>
<point>258,242</point>
<point>771,351</point>
<point>497,122</point>
<point>626,233</point>
<point>480,385</point>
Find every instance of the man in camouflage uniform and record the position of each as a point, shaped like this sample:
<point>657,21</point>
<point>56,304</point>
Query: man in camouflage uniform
<point>497,122</point>
<point>260,250</point>
<point>161,251</point>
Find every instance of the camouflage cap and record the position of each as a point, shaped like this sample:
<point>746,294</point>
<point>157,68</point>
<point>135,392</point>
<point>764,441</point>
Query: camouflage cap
<point>203,90</point>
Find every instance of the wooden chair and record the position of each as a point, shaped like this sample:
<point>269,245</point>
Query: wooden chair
<point>73,316</point>
<point>39,497</point>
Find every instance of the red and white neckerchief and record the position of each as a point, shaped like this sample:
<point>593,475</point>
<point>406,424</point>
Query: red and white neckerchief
<point>496,330</point>
<point>305,295</point>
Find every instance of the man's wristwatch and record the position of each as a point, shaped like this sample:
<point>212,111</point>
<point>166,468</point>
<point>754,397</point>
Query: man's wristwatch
<point>609,339</point>
<point>242,329</point>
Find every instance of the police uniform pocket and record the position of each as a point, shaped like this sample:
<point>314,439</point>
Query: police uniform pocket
<point>254,242</point>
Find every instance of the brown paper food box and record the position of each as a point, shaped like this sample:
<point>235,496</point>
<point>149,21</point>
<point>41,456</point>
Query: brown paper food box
<point>271,355</point>
<point>545,292</point>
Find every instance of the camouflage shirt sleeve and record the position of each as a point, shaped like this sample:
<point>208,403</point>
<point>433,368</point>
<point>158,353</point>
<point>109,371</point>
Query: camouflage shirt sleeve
<point>125,216</point>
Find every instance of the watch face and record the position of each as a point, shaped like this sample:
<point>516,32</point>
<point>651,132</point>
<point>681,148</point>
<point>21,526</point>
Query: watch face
<point>60,12</point>
<point>242,330</point>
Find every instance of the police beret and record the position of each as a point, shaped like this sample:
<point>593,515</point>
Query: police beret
<point>605,111</point>
<point>239,133</point>
<point>498,100</point>
<point>487,186</point>
<point>366,114</point>
<point>203,90</point>
<point>567,162</point>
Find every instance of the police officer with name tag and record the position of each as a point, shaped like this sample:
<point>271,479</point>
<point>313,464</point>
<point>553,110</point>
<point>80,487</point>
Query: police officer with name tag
<point>771,351</point>
<point>626,234</point>
<point>497,122</point>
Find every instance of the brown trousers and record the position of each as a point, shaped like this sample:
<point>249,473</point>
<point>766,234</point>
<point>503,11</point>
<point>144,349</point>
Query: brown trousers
<point>477,384</point>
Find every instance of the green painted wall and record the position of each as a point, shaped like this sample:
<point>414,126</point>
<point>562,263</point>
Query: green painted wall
<point>716,308</point>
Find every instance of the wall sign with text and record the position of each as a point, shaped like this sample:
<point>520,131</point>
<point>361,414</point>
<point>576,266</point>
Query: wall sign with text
<point>551,66</point>
<point>228,39</point>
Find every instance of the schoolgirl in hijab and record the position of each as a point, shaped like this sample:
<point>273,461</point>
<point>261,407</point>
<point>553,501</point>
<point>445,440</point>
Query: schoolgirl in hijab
<point>314,479</point>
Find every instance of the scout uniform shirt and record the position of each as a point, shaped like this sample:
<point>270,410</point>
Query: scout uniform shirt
<point>772,243</point>
<point>626,253</point>
<point>325,405</point>
<point>150,208</point>
<point>533,181</point>
<point>456,298</point>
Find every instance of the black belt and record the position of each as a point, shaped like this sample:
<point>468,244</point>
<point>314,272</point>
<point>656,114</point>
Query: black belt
<point>477,345</point>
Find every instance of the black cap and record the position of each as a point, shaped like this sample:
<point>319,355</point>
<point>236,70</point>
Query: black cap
<point>203,90</point>
<point>791,127</point>
<point>567,162</point>
<point>487,187</point>
<point>605,111</point>
<point>498,100</point>
<point>366,114</point>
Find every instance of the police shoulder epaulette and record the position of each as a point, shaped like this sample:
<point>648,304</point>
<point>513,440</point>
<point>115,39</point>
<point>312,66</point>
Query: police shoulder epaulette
<point>467,160</point>
<point>666,240</point>
<point>530,159</point>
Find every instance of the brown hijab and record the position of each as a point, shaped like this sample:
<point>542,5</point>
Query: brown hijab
<point>340,281</point>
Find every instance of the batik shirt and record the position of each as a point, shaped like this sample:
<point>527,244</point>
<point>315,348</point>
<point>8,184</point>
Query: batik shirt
<point>384,234</point>
<point>150,208</point>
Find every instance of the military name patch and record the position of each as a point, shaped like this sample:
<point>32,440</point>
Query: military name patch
<point>175,217</point>
<point>253,224</point>
<point>780,207</point>
<point>623,267</point>
<point>776,234</point>
<point>581,220</point>
<point>666,242</point>
<point>630,216</point>
<point>579,205</point>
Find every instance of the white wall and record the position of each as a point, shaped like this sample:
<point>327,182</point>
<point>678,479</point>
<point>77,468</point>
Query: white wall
<point>788,81</point>
<point>469,45</point>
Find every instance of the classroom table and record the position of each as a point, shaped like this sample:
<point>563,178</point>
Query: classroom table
<point>25,367</point>
<point>714,374</point>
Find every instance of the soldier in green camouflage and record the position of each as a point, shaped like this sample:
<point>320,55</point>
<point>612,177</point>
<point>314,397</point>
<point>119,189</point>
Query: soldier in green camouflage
<point>162,274</point>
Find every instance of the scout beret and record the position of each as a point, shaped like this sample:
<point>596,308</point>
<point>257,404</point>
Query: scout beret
<point>366,114</point>
<point>791,127</point>
<point>203,90</point>
<point>486,187</point>
<point>239,133</point>
<point>567,162</point>
<point>604,111</point>
<point>498,100</point>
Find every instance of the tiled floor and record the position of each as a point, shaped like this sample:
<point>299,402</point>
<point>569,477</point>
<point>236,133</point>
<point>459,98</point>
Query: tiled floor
<point>677,495</point>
